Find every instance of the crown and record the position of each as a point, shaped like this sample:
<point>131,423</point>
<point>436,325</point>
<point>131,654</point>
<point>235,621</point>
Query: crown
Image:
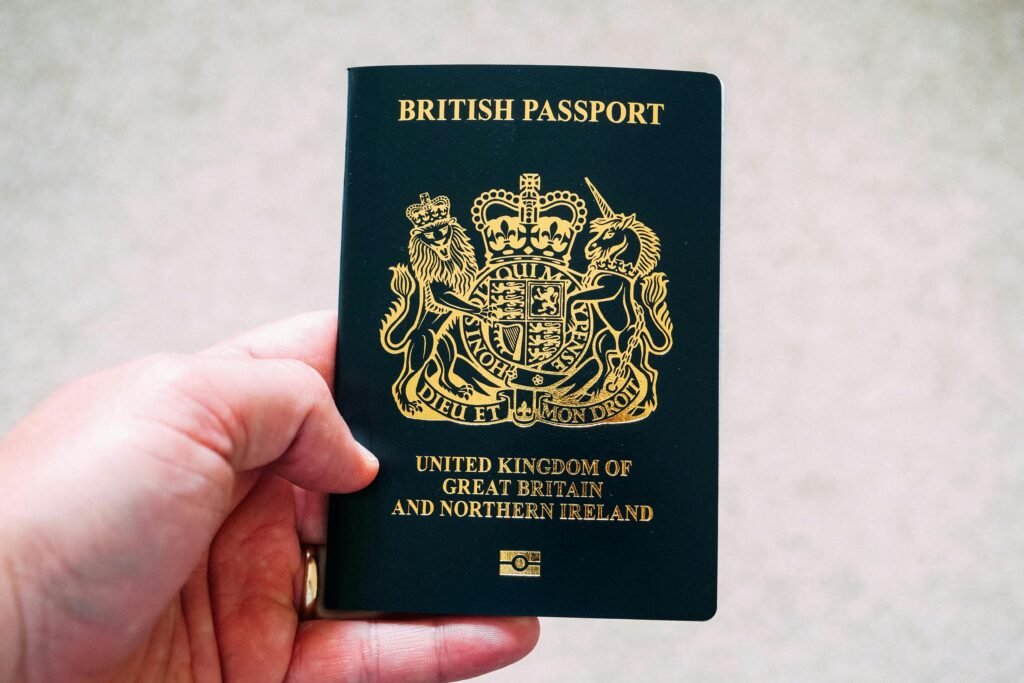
<point>428,210</point>
<point>529,223</point>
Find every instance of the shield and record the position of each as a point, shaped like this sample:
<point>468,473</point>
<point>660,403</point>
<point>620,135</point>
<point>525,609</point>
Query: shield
<point>528,326</point>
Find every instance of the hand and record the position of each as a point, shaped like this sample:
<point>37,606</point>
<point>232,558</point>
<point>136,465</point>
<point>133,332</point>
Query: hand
<point>150,522</point>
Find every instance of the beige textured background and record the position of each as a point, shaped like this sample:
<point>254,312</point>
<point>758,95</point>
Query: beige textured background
<point>171,173</point>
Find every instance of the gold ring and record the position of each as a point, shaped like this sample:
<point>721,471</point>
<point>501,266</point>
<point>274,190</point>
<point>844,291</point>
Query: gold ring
<point>310,582</point>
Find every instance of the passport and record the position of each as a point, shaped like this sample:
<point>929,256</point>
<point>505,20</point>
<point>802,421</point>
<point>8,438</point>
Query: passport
<point>528,341</point>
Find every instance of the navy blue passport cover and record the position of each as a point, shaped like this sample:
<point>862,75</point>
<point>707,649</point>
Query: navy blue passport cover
<point>528,341</point>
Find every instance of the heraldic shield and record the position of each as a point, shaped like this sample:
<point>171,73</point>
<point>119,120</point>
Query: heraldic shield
<point>523,337</point>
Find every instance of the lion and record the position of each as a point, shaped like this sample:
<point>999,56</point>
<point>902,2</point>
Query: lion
<point>430,299</point>
<point>628,296</point>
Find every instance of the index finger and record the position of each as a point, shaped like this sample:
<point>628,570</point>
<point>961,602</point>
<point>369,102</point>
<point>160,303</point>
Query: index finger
<point>309,337</point>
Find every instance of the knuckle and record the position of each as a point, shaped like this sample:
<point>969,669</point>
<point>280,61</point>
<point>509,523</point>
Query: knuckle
<point>180,391</point>
<point>306,375</point>
<point>161,371</point>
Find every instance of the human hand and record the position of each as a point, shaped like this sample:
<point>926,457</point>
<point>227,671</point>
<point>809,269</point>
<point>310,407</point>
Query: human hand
<point>151,518</point>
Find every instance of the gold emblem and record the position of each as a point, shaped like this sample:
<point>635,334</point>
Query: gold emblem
<point>524,337</point>
<point>519,563</point>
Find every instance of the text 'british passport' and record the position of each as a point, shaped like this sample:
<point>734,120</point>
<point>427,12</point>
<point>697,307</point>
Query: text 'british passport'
<point>528,341</point>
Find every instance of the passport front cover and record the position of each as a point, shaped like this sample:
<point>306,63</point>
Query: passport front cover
<point>528,341</point>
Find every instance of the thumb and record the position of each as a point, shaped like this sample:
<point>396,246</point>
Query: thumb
<point>230,415</point>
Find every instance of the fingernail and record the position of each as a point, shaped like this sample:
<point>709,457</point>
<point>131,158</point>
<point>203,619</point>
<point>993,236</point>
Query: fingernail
<point>370,458</point>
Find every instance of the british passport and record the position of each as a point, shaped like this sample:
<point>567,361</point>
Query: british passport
<point>528,341</point>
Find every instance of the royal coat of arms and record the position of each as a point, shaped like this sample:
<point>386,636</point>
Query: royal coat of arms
<point>523,337</point>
